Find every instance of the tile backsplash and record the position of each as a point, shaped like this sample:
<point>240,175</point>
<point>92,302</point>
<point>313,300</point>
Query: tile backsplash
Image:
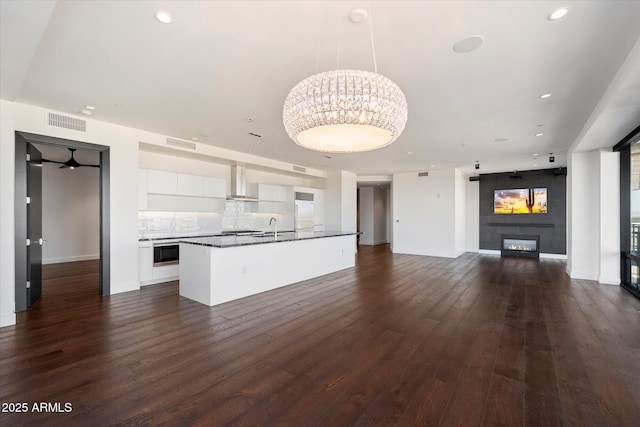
<point>234,217</point>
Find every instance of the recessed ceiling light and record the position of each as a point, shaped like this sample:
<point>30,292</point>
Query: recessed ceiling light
<point>164,17</point>
<point>86,112</point>
<point>558,13</point>
<point>535,164</point>
<point>535,154</point>
<point>194,138</point>
<point>358,15</point>
<point>545,96</point>
<point>89,107</point>
<point>468,44</point>
<point>539,134</point>
<point>409,153</point>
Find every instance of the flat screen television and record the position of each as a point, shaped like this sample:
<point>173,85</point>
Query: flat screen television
<point>520,201</point>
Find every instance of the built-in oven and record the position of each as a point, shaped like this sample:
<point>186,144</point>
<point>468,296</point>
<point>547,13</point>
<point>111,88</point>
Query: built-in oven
<point>166,254</point>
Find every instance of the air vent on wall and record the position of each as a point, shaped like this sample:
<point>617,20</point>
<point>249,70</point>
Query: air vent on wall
<point>67,122</point>
<point>181,144</point>
<point>423,174</point>
<point>299,168</point>
<point>474,178</point>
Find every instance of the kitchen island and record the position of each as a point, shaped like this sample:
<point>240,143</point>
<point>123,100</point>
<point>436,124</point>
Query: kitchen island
<point>218,269</point>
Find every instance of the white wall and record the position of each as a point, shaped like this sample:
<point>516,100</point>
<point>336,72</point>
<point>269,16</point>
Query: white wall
<point>472,216</point>
<point>340,200</point>
<point>424,213</point>
<point>70,214</point>
<point>460,213</point>
<point>609,218</point>
<point>367,216</point>
<point>7,227</point>
<point>380,208</point>
<point>583,211</point>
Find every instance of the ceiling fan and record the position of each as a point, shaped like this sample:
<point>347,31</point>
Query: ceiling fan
<point>72,163</point>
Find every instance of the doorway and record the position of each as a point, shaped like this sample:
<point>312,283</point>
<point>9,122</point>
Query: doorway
<point>28,217</point>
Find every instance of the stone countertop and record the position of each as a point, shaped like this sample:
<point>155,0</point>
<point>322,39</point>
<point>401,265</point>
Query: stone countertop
<point>179,236</point>
<point>234,241</point>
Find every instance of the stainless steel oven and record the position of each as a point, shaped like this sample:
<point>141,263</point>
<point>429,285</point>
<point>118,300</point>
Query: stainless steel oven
<point>166,254</point>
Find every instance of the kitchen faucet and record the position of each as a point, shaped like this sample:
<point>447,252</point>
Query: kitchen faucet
<point>275,227</point>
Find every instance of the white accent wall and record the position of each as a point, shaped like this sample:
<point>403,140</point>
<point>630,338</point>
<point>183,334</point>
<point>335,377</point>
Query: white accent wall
<point>426,221</point>
<point>594,216</point>
<point>70,214</point>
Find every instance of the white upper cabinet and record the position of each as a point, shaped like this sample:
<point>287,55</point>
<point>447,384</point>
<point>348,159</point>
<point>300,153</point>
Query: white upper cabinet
<point>142,189</point>
<point>272,193</point>
<point>214,187</point>
<point>171,191</point>
<point>161,182</point>
<point>190,185</point>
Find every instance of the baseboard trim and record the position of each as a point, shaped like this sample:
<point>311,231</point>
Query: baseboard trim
<point>614,281</point>
<point>70,259</point>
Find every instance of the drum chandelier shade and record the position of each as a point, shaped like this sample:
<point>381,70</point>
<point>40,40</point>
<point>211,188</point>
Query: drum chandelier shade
<point>345,111</point>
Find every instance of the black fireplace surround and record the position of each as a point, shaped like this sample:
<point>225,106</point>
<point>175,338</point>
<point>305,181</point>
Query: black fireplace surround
<point>550,227</point>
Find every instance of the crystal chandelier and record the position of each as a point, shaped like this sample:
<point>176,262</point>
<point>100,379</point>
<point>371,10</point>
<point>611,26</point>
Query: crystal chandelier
<point>345,111</point>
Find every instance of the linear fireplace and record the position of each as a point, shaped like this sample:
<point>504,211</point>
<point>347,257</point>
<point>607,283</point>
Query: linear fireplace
<point>520,245</point>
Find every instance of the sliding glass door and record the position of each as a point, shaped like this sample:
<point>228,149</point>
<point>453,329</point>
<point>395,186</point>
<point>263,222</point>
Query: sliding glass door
<point>629,149</point>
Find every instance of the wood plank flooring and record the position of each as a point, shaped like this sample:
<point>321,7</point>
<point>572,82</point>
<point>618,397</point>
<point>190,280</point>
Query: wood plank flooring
<point>398,340</point>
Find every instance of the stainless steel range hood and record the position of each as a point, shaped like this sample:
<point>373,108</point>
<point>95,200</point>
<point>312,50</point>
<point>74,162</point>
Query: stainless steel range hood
<point>239,184</point>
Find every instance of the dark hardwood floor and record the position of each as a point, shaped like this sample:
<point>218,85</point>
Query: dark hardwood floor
<point>399,340</point>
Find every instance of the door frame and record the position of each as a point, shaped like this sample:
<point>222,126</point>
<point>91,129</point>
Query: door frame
<point>22,139</point>
<point>626,257</point>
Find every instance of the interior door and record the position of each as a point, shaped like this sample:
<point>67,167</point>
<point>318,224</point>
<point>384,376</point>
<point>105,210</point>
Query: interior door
<point>34,225</point>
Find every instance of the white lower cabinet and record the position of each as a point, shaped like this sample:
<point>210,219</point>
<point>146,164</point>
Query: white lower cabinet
<point>145,261</point>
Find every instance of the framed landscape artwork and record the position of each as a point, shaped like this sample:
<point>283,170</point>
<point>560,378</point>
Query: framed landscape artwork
<point>520,201</point>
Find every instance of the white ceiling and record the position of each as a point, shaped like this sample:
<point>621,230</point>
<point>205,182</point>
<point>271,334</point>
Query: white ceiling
<point>221,62</point>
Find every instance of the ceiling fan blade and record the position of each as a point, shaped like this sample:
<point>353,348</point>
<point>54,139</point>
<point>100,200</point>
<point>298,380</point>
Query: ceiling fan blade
<point>52,161</point>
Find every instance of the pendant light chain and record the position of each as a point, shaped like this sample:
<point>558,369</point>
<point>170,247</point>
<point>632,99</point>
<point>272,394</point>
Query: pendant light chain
<point>373,48</point>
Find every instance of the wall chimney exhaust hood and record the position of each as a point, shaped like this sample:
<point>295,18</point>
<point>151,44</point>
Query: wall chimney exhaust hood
<point>239,184</point>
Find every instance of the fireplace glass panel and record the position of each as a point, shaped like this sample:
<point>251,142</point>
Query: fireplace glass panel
<point>519,245</point>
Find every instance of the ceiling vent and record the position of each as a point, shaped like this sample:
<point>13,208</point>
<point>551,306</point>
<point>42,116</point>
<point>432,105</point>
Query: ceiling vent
<point>182,144</point>
<point>67,122</point>
<point>421,174</point>
<point>474,178</point>
<point>299,168</point>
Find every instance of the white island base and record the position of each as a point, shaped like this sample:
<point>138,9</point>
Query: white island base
<point>213,275</point>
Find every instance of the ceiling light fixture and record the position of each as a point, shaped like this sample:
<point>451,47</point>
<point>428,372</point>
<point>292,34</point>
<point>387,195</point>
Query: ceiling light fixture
<point>89,107</point>
<point>345,111</point>
<point>539,134</point>
<point>468,44</point>
<point>545,96</point>
<point>164,17</point>
<point>558,13</point>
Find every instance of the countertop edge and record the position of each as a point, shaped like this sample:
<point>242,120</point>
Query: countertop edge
<point>266,242</point>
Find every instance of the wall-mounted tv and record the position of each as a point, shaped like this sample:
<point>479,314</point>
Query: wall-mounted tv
<point>520,201</point>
